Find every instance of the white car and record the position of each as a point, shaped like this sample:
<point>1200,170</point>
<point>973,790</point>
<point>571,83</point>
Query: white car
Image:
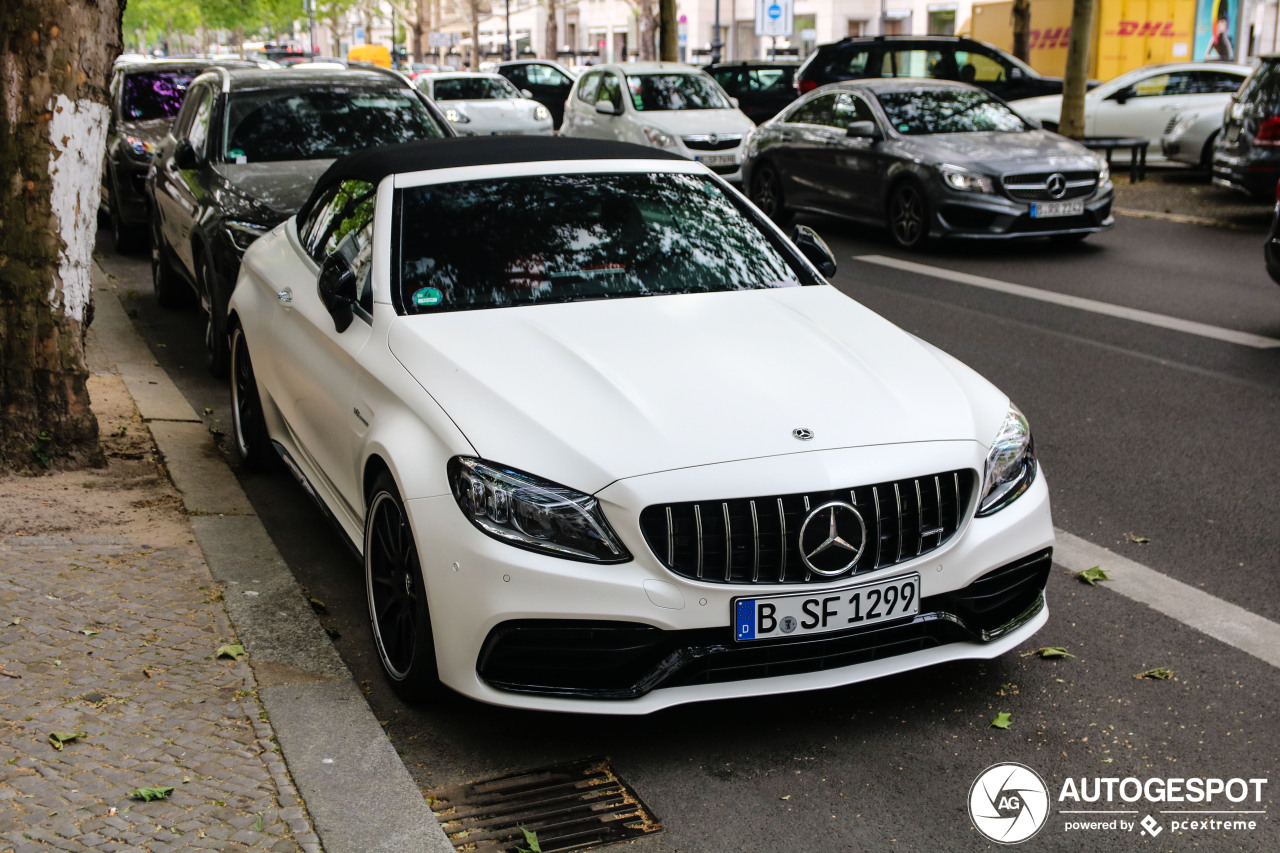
<point>609,442</point>
<point>1190,136</point>
<point>485,104</point>
<point>666,105</point>
<point>1143,101</point>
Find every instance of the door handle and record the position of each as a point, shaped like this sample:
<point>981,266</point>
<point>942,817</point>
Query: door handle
<point>285,296</point>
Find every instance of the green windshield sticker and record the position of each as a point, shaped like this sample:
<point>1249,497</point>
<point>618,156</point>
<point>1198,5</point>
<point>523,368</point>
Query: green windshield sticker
<point>427,296</point>
<point>904,127</point>
<point>235,153</point>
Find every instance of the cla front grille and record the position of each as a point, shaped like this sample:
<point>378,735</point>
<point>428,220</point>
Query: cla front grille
<point>1035,186</point>
<point>706,143</point>
<point>757,540</point>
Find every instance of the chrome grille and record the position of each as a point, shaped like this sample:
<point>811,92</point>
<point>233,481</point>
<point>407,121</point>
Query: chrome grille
<point>1031,186</point>
<point>756,540</point>
<point>705,143</point>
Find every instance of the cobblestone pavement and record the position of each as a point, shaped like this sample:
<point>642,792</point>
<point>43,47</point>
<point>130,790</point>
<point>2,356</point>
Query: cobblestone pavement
<point>116,641</point>
<point>1171,192</point>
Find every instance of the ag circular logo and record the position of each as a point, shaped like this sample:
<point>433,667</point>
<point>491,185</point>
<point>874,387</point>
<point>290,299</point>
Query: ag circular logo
<point>1009,803</point>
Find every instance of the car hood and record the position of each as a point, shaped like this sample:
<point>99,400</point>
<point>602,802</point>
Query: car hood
<point>589,393</point>
<point>1044,108</point>
<point>493,107</point>
<point>281,186</point>
<point>152,131</point>
<point>1002,153</point>
<point>696,122</point>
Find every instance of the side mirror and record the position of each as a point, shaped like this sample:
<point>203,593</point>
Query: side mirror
<point>863,130</point>
<point>1123,95</point>
<point>1033,123</point>
<point>607,108</point>
<point>813,248</point>
<point>337,287</point>
<point>1016,73</point>
<point>184,157</point>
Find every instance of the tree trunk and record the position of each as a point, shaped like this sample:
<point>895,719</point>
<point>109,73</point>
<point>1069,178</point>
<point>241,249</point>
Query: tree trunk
<point>1071,119</point>
<point>553,31</point>
<point>668,31</point>
<point>646,31</point>
<point>1022,29</point>
<point>54,62</point>
<point>475,35</point>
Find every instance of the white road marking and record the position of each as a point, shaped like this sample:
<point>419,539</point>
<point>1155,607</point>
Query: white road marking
<point>1193,607</point>
<point>1137,315</point>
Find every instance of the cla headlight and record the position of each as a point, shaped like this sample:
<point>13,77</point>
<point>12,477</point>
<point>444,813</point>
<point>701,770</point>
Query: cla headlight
<point>140,147</point>
<point>1104,174</point>
<point>541,113</point>
<point>456,116</point>
<point>528,512</point>
<point>1011,464</point>
<point>963,179</point>
<point>657,138</point>
<point>243,234</point>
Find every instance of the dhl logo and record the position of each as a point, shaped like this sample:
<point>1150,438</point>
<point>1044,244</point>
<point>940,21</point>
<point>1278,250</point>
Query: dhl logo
<point>1048,39</point>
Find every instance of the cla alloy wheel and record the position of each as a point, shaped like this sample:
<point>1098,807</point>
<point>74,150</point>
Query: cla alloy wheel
<point>398,611</point>
<point>908,217</point>
<point>768,194</point>
<point>253,442</point>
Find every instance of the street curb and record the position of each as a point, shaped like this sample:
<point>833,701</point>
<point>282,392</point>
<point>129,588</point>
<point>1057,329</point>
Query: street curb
<point>1182,218</point>
<point>357,790</point>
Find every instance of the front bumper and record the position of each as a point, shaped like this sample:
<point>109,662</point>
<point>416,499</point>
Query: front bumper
<point>522,629</point>
<point>1256,177</point>
<point>991,216</point>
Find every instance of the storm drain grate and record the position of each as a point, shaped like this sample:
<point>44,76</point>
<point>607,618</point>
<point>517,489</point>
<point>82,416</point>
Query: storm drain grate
<point>570,806</point>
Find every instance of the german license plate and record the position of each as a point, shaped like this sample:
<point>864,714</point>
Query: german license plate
<point>717,159</point>
<point>804,613</point>
<point>1048,209</point>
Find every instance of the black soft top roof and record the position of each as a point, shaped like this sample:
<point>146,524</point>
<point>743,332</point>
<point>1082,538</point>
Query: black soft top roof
<point>375,164</point>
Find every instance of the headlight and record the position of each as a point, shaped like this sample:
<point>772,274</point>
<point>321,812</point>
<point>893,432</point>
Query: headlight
<point>1011,464</point>
<point>1104,174</point>
<point>140,147</point>
<point>1182,123</point>
<point>531,513</point>
<point>541,113</point>
<point>243,234</point>
<point>455,116</point>
<point>963,179</point>
<point>657,138</point>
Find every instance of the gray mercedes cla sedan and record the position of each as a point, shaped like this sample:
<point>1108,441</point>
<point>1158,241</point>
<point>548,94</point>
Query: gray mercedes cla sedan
<point>927,158</point>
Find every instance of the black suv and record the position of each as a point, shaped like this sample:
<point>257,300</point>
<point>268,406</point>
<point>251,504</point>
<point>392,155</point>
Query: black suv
<point>243,155</point>
<point>1246,155</point>
<point>940,57</point>
<point>144,96</point>
<point>762,86</point>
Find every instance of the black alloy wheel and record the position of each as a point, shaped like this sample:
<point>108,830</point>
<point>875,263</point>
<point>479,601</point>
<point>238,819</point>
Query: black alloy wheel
<point>908,216</point>
<point>398,612</point>
<point>767,194</point>
<point>217,350</point>
<point>170,292</point>
<point>252,440</point>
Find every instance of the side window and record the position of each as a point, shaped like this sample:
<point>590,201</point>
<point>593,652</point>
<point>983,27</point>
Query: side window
<point>848,109</point>
<point>341,210</point>
<point>1160,84</point>
<point>852,62</point>
<point>610,90</point>
<point>198,133</point>
<point>311,230</point>
<point>182,124</point>
<point>357,247</point>
<point>1210,82</point>
<point>909,63</point>
<point>980,68</point>
<point>817,111</point>
<point>545,75</point>
<point>728,79</point>
<point>589,86</point>
<point>765,79</point>
<point>517,74</point>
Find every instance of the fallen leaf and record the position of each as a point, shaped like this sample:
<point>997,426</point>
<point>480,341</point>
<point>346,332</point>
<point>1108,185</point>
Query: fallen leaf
<point>88,632</point>
<point>60,739</point>
<point>257,824</point>
<point>1050,652</point>
<point>334,633</point>
<point>1002,720</point>
<point>1159,674</point>
<point>1092,576</point>
<point>149,794</point>
<point>317,605</point>
<point>787,797</point>
<point>230,651</point>
<point>1137,540</point>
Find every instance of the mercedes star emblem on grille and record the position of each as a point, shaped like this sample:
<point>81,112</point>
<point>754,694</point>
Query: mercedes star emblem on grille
<point>832,538</point>
<point>1056,185</point>
<point>802,433</point>
<point>713,139</point>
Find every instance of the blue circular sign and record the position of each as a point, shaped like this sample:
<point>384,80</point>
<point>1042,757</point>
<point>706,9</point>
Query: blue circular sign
<point>775,11</point>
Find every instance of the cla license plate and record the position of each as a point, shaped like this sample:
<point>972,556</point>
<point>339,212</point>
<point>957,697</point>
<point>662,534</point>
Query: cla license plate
<point>1057,208</point>
<point>805,613</point>
<point>717,159</point>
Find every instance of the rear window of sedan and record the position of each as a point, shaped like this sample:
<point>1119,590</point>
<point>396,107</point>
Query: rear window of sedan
<point>315,124</point>
<point>570,238</point>
<point>947,111</point>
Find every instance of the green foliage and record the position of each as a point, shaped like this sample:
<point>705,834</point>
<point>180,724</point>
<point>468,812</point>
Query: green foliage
<point>1050,652</point>
<point>230,651</point>
<point>40,450</point>
<point>60,739</point>
<point>149,794</point>
<point>1159,674</point>
<point>530,838</point>
<point>1092,576</point>
<point>1002,720</point>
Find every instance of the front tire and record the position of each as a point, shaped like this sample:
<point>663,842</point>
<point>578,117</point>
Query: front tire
<point>252,440</point>
<point>908,216</point>
<point>397,597</point>
<point>767,194</point>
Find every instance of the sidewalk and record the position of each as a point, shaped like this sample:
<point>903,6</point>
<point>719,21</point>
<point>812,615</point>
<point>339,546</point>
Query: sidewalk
<point>115,638</point>
<point>1186,195</point>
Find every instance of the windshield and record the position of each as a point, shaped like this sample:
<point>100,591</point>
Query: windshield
<point>321,123</point>
<point>473,89</point>
<point>154,94</point>
<point>947,111</point>
<point>675,92</point>
<point>569,238</point>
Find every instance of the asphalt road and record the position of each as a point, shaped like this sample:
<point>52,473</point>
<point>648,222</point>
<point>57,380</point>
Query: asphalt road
<point>1145,432</point>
